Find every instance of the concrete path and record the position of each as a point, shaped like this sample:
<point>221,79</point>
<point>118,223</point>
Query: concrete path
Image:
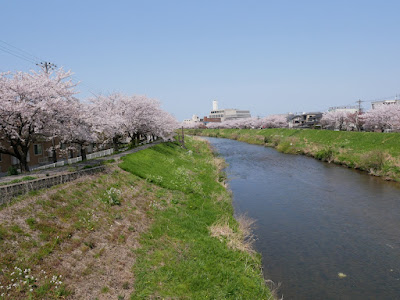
<point>76,166</point>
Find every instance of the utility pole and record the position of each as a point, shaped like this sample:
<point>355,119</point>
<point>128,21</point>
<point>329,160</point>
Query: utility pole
<point>358,114</point>
<point>359,105</point>
<point>47,66</point>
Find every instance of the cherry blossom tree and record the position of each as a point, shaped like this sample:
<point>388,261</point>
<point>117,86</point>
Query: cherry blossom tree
<point>120,116</point>
<point>274,121</point>
<point>192,125</point>
<point>107,118</point>
<point>30,105</point>
<point>336,119</point>
<point>356,120</point>
<point>77,130</point>
<point>214,125</point>
<point>382,117</point>
<point>143,117</point>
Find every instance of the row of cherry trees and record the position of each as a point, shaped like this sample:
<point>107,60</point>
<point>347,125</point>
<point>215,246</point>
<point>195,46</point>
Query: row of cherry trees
<point>39,106</point>
<point>381,118</point>
<point>272,121</point>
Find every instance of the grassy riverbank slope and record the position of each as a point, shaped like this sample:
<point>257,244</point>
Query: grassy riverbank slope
<point>376,153</point>
<point>195,249</point>
<point>168,217</point>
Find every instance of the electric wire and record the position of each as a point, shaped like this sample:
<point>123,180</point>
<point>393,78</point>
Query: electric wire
<point>33,59</point>
<point>16,55</point>
<point>25,53</point>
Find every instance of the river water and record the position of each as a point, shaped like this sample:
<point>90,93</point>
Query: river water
<point>315,220</point>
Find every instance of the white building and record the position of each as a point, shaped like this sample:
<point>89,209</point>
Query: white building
<point>227,114</point>
<point>385,102</point>
<point>348,109</point>
<point>194,119</point>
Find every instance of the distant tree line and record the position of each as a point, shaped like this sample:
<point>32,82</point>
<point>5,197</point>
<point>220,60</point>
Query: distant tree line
<point>381,118</point>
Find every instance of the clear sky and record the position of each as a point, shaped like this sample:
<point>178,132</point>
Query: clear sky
<point>267,56</point>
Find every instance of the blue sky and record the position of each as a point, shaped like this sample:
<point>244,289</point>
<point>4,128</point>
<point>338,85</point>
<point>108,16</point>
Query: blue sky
<point>266,56</point>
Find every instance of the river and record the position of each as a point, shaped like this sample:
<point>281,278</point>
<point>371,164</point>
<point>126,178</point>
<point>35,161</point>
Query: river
<point>316,220</point>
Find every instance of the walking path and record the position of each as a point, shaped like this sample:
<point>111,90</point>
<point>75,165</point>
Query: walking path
<point>76,166</point>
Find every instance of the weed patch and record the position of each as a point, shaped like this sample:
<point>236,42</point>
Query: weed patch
<point>66,228</point>
<point>327,154</point>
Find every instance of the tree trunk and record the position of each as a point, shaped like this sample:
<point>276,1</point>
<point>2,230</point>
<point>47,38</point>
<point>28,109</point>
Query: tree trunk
<point>54,151</point>
<point>54,155</point>
<point>115,143</point>
<point>23,162</point>
<point>83,153</point>
<point>136,139</point>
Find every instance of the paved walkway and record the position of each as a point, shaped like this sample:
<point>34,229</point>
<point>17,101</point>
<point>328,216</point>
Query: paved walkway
<point>77,166</point>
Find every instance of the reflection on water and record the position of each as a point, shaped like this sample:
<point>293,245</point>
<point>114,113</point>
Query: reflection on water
<point>316,220</point>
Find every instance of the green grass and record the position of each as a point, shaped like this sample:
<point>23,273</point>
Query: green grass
<point>376,153</point>
<point>26,178</point>
<point>178,257</point>
<point>169,201</point>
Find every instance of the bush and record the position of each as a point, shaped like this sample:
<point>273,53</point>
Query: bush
<point>374,160</point>
<point>325,154</point>
<point>286,147</point>
<point>12,171</point>
<point>275,140</point>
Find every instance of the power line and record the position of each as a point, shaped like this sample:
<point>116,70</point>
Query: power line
<point>13,53</point>
<point>22,51</point>
<point>33,59</point>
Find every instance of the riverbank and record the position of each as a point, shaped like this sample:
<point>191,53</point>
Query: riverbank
<point>376,153</point>
<point>167,215</point>
<point>195,248</point>
<point>317,221</point>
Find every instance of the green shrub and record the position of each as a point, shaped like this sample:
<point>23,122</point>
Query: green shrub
<point>287,147</point>
<point>325,154</point>
<point>275,140</point>
<point>12,171</point>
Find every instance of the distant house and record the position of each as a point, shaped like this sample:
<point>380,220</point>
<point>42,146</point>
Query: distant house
<point>40,154</point>
<point>305,120</point>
